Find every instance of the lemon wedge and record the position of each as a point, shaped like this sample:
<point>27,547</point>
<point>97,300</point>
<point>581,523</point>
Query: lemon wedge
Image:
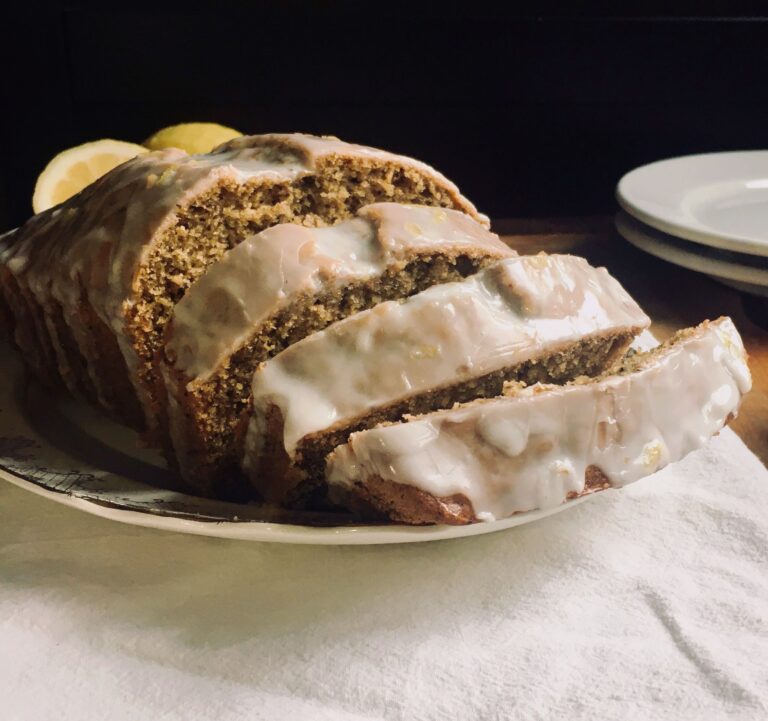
<point>192,137</point>
<point>71,170</point>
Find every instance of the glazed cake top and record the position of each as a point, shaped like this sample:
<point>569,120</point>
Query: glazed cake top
<point>269,270</point>
<point>96,242</point>
<point>519,309</point>
<point>532,449</point>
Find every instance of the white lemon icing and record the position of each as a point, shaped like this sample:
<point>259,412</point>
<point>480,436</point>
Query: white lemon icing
<point>92,247</point>
<point>221,310</point>
<point>531,450</point>
<point>516,310</point>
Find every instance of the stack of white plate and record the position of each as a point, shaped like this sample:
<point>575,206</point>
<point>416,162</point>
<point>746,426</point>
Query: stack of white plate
<point>708,213</point>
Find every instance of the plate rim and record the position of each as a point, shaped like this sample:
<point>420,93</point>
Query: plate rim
<point>296,534</point>
<point>663,246</point>
<point>14,396</point>
<point>744,287</point>
<point>696,234</point>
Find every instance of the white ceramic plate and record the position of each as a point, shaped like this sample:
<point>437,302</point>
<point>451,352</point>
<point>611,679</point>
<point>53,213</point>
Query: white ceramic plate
<point>750,288</point>
<point>749,270</point>
<point>72,454</point>
<point>718,199</point>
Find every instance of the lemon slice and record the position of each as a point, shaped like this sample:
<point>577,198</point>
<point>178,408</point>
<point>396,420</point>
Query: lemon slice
<point>192,137</point>
<point>71,170</point>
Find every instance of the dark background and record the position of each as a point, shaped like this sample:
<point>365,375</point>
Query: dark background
<point>532,112</point>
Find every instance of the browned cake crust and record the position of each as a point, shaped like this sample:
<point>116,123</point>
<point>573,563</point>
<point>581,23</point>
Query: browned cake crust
<point>383,500</point>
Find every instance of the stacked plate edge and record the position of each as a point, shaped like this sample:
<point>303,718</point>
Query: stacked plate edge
<point>707,213</point>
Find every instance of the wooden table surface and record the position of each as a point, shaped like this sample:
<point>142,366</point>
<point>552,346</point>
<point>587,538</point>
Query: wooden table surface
<point>673,298</point>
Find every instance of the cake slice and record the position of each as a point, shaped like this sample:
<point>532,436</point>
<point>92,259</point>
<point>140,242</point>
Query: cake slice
<point>540,446</point>
<point>532,318</point>
<point>279,286</point>
<point>93,281</point>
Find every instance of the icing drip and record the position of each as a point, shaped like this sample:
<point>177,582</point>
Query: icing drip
<point>519,309</point>
<point>266,271</point>
<point>532,450</point>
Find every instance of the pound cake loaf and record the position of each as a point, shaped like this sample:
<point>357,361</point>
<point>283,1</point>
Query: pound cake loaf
<point>532,318</point>
<point>91,283</point>
<point>540,446</point>
<point>278,287</point>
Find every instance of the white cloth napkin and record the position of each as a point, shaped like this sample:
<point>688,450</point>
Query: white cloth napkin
<point>648,603</point>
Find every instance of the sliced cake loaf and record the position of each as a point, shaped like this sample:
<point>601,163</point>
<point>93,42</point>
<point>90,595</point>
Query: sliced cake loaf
<point>279,286</point>
<point>543,445</point>
<point>93,281</point>
<point>534,318</point>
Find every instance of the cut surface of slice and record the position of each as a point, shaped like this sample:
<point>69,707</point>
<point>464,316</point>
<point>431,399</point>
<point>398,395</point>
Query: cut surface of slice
<point>540,446</point>
<point>530,318</point>
<point>74,169</point>
<point>280,286</point>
